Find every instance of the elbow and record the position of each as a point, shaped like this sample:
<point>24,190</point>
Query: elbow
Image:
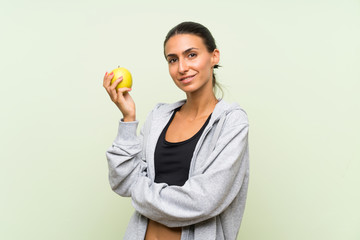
<point>120,188</point>
<point>120,191</point>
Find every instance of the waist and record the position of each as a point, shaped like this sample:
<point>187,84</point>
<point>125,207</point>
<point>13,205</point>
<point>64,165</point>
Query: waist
<point>158,231</point>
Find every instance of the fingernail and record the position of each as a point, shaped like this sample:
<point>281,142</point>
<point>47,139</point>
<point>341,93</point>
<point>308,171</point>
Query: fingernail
<point>106,73</point>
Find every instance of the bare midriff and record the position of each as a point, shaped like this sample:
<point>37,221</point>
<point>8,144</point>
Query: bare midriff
<point>157,231</point>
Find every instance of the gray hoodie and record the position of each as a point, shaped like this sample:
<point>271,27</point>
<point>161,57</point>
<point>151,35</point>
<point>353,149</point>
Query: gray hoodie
<point>211,203</point>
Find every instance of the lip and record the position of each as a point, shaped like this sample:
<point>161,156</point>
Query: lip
<point>187,79</point>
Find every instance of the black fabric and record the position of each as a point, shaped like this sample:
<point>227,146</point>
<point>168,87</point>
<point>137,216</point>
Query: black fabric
<point>172,160</point>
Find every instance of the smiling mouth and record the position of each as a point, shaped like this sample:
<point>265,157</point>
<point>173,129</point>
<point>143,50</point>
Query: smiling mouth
<point>187,79</point>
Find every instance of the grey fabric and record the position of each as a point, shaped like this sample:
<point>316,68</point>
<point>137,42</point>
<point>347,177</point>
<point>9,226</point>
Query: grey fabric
<point>210,205</point>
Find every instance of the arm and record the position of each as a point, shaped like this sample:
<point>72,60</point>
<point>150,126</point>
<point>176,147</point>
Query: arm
<point>204,195</point>
<point>124,160</point>
<point>123,156</point>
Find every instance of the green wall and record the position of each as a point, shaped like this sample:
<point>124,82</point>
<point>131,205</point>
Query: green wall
<point>292,65</point>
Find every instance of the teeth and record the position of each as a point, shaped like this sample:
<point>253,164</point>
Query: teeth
<point>187,77</point>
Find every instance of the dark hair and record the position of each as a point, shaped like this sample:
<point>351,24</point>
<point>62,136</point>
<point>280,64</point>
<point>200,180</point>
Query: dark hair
<point>200,31</point>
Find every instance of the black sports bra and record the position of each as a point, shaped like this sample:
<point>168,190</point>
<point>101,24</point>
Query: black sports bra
<point>172,160</point>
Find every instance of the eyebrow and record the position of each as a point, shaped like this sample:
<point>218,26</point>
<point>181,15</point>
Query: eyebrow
<point>186,51</point>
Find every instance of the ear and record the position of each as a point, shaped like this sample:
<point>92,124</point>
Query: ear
<point>215,59</point>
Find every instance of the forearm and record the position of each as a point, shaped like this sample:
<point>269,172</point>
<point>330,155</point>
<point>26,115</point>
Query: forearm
<point>123,158</point>
<point>203,196</point>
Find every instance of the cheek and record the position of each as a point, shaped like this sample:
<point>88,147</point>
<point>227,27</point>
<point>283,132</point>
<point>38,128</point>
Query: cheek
<point>204,65</point>
<point>172,71</point>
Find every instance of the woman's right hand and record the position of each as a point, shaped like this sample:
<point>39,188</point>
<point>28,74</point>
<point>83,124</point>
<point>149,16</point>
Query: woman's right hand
<point>120,97</point>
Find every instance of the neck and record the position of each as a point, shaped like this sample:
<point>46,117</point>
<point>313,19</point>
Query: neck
<point>199,104</point>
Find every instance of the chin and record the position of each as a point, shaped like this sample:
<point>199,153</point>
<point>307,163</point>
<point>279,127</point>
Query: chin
<point>190,90</point>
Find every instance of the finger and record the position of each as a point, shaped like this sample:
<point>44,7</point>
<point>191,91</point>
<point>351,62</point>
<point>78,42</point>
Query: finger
<point>122,93</point>
<point>104,85</point>
<point>123,90</point>
<point>116,82</point>
<point>111,87</point>
<point>113,94</point>
<point>107,79</point>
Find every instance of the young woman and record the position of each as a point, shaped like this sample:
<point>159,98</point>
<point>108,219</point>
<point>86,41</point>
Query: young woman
<point>187,172</point>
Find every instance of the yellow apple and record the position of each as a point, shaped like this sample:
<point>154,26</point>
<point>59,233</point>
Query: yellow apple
<point>127,79</point>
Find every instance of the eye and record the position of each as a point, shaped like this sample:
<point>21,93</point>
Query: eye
<point>172,60</point>
<point>192,55</point>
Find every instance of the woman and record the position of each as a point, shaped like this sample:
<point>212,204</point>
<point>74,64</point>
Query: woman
<point>187,173</point>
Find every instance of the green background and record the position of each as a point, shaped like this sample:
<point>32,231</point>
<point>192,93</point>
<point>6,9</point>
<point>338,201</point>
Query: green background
<point>294,66</point>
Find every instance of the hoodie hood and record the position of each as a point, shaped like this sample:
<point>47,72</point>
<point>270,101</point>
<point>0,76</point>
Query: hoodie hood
<point>222,107</point>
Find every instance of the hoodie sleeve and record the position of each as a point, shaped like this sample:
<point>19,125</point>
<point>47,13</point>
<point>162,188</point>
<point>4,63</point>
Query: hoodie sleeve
<point>208,193</point>
<point>124,158</point>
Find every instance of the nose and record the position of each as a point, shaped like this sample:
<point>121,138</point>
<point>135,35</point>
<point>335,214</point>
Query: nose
<point>183,66</point>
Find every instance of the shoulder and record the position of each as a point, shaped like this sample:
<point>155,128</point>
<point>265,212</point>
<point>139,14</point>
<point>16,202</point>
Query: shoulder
<point>234,114</point>
<point>237,116</point>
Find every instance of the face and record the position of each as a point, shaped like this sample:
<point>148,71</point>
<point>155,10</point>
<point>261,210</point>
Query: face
<point>190,63</point>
